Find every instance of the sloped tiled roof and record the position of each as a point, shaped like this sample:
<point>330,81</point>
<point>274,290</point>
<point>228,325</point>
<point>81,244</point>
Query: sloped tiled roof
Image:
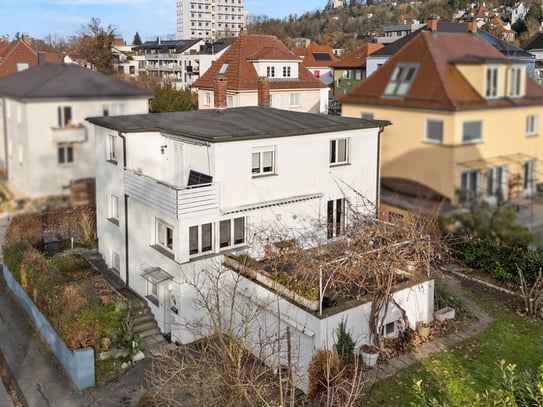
<point>18,51</point>
<point>534,42</point>
<point>310,55</point>
<point>357,58</point>
<point>241,73</point>
<point>438,84</point>
<point>504,47</point>
<point>66,81</point>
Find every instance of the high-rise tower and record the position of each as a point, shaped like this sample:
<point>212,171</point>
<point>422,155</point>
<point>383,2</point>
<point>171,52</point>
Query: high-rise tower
<point>210,19</point>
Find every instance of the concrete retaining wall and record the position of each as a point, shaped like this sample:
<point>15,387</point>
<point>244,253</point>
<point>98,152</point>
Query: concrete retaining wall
<point>78,364</point>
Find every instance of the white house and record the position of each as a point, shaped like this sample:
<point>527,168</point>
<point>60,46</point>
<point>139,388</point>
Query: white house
<point>178,191</point>
<point>45,141</point>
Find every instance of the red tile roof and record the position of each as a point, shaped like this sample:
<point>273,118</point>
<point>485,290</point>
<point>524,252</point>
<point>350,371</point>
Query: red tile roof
<point>308,54</point>
<point>241,73</point>
<point>438,84</point>
<point>18,51</point>
<point>357,58</point>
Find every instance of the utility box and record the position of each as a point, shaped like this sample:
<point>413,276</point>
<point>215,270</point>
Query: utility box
<point>51,245</point>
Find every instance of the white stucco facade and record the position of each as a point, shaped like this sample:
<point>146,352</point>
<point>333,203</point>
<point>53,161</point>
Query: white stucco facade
<point>36,130</point>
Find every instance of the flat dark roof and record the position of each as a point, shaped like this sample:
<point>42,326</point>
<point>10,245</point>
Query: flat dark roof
<point>242,123</point>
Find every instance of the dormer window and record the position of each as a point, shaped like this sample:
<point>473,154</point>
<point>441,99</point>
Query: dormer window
<point>515,80</point>
<point>492,82</point>
<point>286,72</point>
<point>270,71</point>
<point>401,79</point>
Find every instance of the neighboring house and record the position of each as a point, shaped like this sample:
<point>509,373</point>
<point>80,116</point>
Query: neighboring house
<point>519,11</point>
<point>466,118</point>
<point>45,143</point>
<point>319,59</point>
<point>179,62</point>
<point>351,70</point>
<point>395,32</point>
<point>19,55</point>
<point>210,19</point>
<point>260,70</point>
<point>534,45</point>
<point>178,191</point>
<point>379,57</point>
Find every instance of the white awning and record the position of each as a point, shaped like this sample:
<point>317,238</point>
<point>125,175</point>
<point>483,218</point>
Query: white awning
<point>156,275</point>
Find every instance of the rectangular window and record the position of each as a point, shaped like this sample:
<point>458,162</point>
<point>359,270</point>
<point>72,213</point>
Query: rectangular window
<point>65,154</point>
<point>339,151</point>
<point>470,185</point>
<point>389,330</point>
<point>164,235</point>
<point>492,82</point>
<point>232,232</point>
<point>114,207</point>
<point>532,124</point>
<point>401,79</point>
<point>434,130</point>
<point>358,75</point>
<point>21,66</point>
<point>496,182</point>
<point>64,116</point>
<point>114,109</point>
<point>263,161</point>
<point>229,101</point>
<point>270,71</point>
<point>200,238</point>
<point>317,73</point>
<point>112,148</point>
<point>335,217</point>
<point>207,99</point>
<point>515,81</point>
<point>347,74</point>
<point>115,261</point>
<point>472,131</point>
<point>529,177</point>
<point>286,72</point>
<point>295,99</point>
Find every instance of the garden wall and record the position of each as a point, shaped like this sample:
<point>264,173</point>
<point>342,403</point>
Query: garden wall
<point>78,364</point>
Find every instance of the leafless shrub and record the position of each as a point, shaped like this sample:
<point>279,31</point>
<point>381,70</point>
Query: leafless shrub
<point>532,295</point>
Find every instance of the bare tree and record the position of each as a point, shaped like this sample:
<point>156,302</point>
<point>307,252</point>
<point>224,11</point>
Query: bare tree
<point>532,294</point>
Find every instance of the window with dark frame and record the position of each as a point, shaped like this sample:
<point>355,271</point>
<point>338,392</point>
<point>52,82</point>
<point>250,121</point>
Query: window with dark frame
<point>65,154</point>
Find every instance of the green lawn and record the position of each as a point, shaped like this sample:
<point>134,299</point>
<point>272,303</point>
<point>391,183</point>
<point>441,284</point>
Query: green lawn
<point>471,367</point>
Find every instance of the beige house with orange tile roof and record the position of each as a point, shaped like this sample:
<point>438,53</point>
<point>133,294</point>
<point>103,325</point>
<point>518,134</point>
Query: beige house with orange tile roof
<point>319,60</point>
<point>350,71</point>
<point>259,70</point>
<point>466,119</point>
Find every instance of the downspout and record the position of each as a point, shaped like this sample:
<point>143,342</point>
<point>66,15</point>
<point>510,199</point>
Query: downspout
<point>378,186</point>
<point>126,256</point>
<point>4,119</point>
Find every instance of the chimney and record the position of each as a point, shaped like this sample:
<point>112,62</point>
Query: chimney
<point>472,26</point>
<point>263,91</point>
<point>431,23</point>
<point>41,58</point>
<point>220,93</point>
<point>26,38</point>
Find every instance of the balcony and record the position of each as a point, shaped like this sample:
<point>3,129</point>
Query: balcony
<point>71,134</point>
<point>176,201</point>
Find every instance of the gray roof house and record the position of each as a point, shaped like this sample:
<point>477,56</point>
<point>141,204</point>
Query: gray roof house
<point>46,144</point>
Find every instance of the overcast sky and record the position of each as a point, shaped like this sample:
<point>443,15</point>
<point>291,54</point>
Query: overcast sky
<point>151,18</point>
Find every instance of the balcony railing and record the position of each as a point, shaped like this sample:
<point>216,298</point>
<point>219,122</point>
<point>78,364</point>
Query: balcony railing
<point>177,201</point>
<point>69,134</point>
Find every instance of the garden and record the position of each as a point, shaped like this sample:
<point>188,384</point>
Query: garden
<point>81,306</point>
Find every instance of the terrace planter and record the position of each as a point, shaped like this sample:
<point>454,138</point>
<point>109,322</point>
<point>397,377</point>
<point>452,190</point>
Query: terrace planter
<point>423,329</point>
<point>263,278</point>
<point>445,313</point>
<point>369,355</point>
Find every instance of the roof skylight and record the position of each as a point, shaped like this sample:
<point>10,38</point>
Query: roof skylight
<point>401,79</point>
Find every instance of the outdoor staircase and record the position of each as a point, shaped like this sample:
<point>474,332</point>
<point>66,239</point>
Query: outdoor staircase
<point>143,322</point>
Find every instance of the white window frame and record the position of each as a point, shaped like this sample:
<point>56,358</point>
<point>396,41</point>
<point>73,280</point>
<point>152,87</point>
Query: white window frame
<point>231,232</point>
<point>530,177</point>
<point>295,99</point>
<point>492,82</point>
<point>207,99</point>
<point>200,249</point>
<point>64,116</point>
<point>428,134</point>
<point>113,207</point>
<point>337,157</point>
<point>515,81</point>
<point>270,71</point>
<point>112,148</point>
<point>358,75</point>
<point>532,124</point>
<point>67,156</point>
<point>336,217</point>
<point>229,100</point>
<point>385,330</point>
<point>164,237</point>
<point>286,72</point>
<point>496,181</point>
<point>471,184</point>
<point>470,140</point>
<point>263,155</point>
<point>347,74</point>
